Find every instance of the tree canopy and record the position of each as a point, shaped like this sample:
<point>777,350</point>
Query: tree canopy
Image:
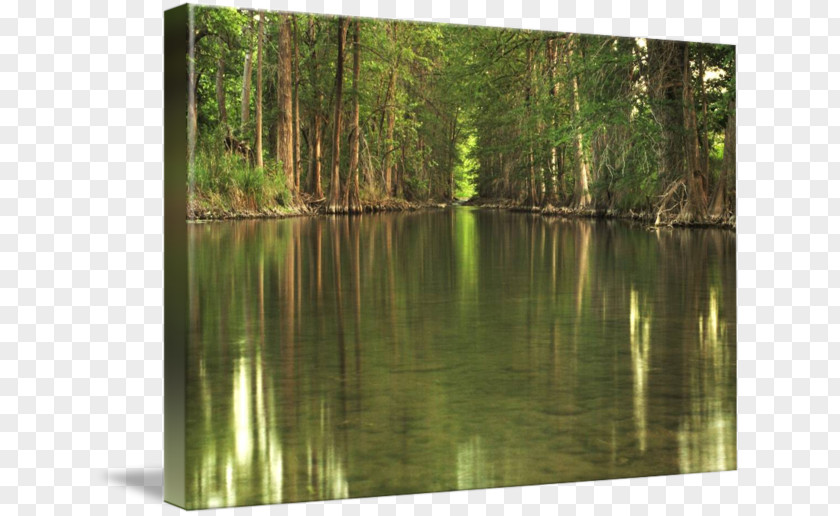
<point>299,110</point>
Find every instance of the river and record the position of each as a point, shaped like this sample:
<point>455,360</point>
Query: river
<point>335,357</point>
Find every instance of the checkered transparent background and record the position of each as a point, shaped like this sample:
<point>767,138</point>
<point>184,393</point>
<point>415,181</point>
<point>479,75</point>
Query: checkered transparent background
<point>81,248</point>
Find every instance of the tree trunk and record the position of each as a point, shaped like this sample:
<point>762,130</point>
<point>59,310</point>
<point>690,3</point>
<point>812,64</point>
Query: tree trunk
<point>220,95</point>
<point>371,179</point>
<point>399,171</point>
<point>665,70</point>
<point>317,121</point>
<point>246,80</point>
<point>351,194</point>
<point>390,109</point>
<point>529,129</point>
<point>721,206</point>
<point>561,166</point>
<point>297,104</point>
<point>453,137</point>
<point>192,111</point>
<point>704,130</point>
<point>421,150</point>
<point>259,92</point>
<point>532,180</point>
<point>695,208</point>
<point>315,153</point>
<point>285,129</point>
<point>582,196</point>
<point>729,161</point>
<point>506,189</point>
<point>389,132</point>
<point>333,204</point>
<point>549,177</point>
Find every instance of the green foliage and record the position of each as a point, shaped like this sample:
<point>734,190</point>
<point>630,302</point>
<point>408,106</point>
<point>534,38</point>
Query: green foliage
<point>451,110</point>
<point>227,181</point>
<point>466,169</point>
<point>415,188</point>
<point>213,172</point>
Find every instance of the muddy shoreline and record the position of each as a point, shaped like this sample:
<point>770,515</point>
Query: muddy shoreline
<point>648,218</point>
<point>196,212</point>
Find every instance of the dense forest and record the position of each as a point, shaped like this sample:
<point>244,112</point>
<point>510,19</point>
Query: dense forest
<point>290,113</point>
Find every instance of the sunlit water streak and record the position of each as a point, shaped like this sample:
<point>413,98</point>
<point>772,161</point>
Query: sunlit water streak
<point>338,357</point>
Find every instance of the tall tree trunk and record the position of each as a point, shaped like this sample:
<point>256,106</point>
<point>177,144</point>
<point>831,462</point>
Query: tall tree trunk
<point>721,205</point>
<point>450,165</point>
<point>421,150</point>
<point>371,179</point>
<point>285,129</point>
<point>561,166</point>
<point>704,129</point>
<point>532,180</point>
<point>351,195</point>
<point>389,132</point>
<point>665,71</point>
<point>665,77</point>
<point>582,196</point>
<point>220,95</point>
<point>192,111</point>
<point>390,110</point>
<point>296,130</point>
<point>259,91</point>
<point>333,204</point>
<point>695,208</point>
<point>593,158</point>
<point>529,129</point>
<point>552,177</point>
<point>315,159</point>
<point>729,161</point>
<point>246,79</point>
<point>270,94</point>
<point>398,174</point>
<point>506,188</point>
<point>317,119</point>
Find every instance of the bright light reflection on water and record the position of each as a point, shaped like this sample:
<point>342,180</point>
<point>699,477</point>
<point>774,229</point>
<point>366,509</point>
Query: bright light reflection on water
<point>338,357</point>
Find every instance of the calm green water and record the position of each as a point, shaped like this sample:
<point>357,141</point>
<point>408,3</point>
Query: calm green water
<point>453,349</point>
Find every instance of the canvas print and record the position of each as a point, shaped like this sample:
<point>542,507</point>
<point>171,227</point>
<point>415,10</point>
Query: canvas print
<point>407,257</point>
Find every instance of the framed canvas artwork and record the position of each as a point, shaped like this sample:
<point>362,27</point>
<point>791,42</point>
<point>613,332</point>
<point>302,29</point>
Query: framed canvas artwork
<point>407,257</point>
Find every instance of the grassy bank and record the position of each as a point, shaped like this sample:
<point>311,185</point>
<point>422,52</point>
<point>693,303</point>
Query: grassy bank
<point>217,207</point>
<point>225,188</point>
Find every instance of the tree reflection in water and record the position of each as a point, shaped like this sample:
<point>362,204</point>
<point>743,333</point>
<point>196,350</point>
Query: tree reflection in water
<point>343,357</point>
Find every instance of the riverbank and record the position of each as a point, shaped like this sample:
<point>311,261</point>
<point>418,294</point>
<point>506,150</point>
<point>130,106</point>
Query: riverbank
<point>203,208</point>
<point>208,209</point>
<point>649,218</point>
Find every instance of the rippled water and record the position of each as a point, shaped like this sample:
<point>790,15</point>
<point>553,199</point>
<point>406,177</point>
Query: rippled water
<point>339,357</point>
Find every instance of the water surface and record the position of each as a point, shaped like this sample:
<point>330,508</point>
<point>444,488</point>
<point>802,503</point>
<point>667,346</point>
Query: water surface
<point>336,357</point>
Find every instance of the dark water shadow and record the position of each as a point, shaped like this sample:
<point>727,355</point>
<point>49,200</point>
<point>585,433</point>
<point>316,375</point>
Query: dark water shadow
<point>147,481</point>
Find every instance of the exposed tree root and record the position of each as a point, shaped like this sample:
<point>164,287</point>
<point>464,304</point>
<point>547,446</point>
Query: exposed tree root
<point>666,214</point>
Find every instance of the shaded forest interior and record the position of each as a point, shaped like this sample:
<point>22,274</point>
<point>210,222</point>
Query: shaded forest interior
<point>290,113</point>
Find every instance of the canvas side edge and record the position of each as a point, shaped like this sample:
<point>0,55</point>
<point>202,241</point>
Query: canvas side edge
<point>175,251</point>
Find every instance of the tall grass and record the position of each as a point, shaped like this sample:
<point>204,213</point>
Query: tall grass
<point>225,182</point>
